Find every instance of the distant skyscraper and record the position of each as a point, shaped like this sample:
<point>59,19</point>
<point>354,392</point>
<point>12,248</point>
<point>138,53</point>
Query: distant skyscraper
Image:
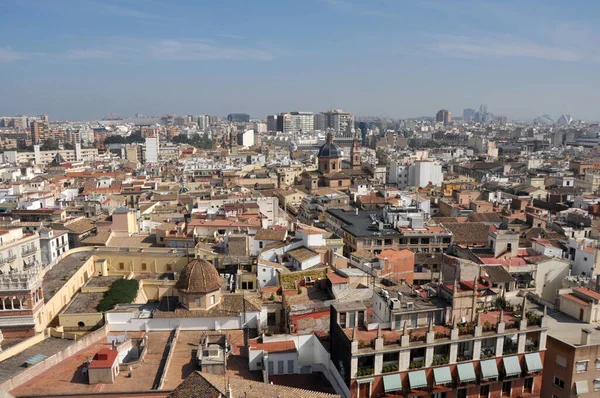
<point>444,116</point>
<point>203,122</point>
<point>293,122</point>
<point>339,121</point>
<point>152,149</point>
<point>38,131</point>
<point>468,115</point>
<point>319,121</point>
<point>238,117</point>
<point>363,132</point>
<point>272,123</point>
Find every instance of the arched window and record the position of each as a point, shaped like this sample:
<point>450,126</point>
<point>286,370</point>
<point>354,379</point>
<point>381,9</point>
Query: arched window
<point>16,303</point>
<point>7,304</point>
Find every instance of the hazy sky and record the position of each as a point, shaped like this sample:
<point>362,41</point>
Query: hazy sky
<point>85,59</point>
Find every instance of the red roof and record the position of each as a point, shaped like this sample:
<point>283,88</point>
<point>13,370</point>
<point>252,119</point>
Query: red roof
<point>105,358</point>
<point>588,292</point>
<point>571,297</point>
<point>275,347</point>
<point>336,279</point>
<point>513,261</point>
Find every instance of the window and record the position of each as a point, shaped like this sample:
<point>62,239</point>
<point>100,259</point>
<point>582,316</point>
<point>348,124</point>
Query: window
<point>343,320</point>
<point>143,266</point>
<point>212,299</point>
<point>197,302</point>
<point>585,259</point>
<point>597,385</point>
<point>484,391</point>
<point>121,265</point>
<point>582,366</point>
<point>339,183</point>
<point>561,361</point>
<point>462,393</point>
<point>506,387</point>
<point>558,382</point>
<point>597,363</point>
<point>290,366</point>
<point>260,245</point>
<point>271,319</point>
<point>169,267</point>
<point>528,384</point>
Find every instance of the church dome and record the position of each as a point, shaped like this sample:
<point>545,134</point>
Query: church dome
<point>199,276</point>
<point>329,149</point>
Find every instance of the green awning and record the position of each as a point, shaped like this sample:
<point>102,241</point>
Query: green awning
<point>512,367</point>
<point>581,387</point>
<point>534,362</point>
<point>392,383</point>
<point>417,379</point>
<point>442,375</point>
<point>489,369</point>
<point>369,380</point>
<point>466,372</point>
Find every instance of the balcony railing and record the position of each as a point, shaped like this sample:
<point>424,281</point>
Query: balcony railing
<point>29,251</point>
<point>12,257</point>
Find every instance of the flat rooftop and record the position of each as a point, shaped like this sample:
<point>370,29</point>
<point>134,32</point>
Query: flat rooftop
<point>84,303</point>
<point>62,272</point>
<point>565,328</point>
<point>361,225</point>
<point>14,365</point>
<point>102,281</point>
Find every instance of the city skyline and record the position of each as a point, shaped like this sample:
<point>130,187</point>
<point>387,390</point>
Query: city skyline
<point>389,59</point>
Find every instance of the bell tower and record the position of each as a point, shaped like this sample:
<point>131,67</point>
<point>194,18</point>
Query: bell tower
<point>355,154</point>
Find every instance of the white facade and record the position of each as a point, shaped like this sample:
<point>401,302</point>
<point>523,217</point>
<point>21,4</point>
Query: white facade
<point>421,174</point>
<point>582,254</point>
<point>18,250</point>
<point>267,275</point>
<point>248,138</point>
<point>398,174</point>
<point>297,121</point>
<point>152,149</point>
<point>52,245</point>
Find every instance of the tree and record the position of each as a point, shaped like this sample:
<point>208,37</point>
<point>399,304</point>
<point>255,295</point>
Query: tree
<point>49,145</point>
<point>69,146</point>
<point>122,291</point>
<point>135,138</point>
<point>114,139</point>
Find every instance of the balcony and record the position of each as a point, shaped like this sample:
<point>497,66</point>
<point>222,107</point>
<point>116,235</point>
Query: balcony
<point>28,251</point>
<point>12,257</point>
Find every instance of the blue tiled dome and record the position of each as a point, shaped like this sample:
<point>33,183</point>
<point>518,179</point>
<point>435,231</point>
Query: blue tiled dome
<point>330,150</point>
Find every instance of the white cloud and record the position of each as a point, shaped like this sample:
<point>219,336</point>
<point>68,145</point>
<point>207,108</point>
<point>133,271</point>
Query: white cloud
<point>9,55</point>
<point>88,54</point>
<point>503,46</point>
<point>203,50</point>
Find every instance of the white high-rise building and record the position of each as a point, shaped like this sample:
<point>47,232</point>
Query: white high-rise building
<point>294,122</point>
<point>246,138</point>
<point>152,149</point>
<point>422,173</point>
<point>339,121</point>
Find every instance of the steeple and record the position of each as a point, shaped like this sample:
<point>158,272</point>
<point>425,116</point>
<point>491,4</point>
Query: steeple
<point>355,154</point>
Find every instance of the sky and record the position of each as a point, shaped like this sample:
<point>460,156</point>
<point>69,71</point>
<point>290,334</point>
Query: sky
<point>86,59</point>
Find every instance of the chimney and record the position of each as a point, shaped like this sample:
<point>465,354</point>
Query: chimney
<point>598,283</point>
<point>586,336</point>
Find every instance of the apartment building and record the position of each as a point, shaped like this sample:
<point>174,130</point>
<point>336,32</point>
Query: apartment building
<point>18,250</point>
<point>572,360</point>
<point>373,232</point>
<point>411,345</point>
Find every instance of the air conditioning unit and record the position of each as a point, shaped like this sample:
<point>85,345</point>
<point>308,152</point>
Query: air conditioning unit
<point>410,304</point>
<point>395,304</point>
